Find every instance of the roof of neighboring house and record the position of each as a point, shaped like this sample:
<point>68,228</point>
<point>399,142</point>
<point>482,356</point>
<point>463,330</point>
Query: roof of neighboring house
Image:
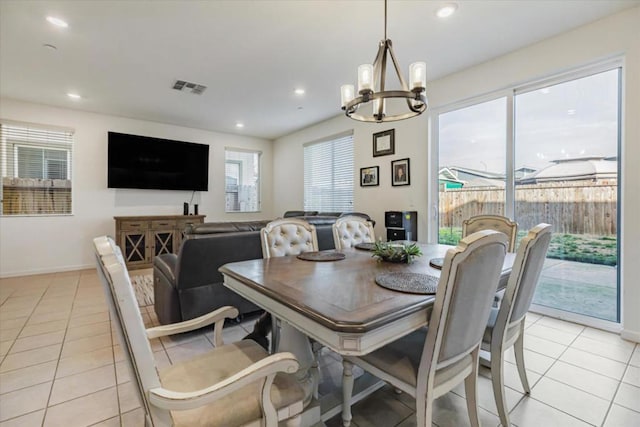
<point>584,168</point>
<point>471,177</point>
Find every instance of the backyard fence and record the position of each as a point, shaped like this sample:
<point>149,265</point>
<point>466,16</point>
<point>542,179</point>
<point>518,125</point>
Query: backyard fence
<point>571,207</point>
<point>30,196</point>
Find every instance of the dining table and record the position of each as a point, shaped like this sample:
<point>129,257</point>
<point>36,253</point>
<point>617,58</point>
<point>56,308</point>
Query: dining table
<point>335,301</point>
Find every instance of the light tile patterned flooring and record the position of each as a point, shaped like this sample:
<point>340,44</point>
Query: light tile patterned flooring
<point>61,365</point>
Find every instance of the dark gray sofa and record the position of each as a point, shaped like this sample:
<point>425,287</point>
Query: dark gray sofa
<point>188,285</point>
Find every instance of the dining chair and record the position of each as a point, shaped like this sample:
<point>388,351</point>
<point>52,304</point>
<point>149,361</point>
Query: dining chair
<point>237,384</point>
<point>429,362</point>
<point>350,230</point>
<point>506,323</point>
<point>288,236</point>
<point>492,222</point>
<point>285,237</point>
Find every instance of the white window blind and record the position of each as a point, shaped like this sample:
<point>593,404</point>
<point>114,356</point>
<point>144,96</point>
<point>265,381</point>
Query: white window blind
<point>242,180</point>
<point>36,170</point>
<point>328,175</point>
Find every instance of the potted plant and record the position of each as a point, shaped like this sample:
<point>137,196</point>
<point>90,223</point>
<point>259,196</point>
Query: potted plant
<point>396,252</point>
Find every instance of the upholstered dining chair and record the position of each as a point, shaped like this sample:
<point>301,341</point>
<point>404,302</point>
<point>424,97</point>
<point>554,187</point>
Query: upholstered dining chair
<point>506,323</point>
<point>237,384</point>
<point>350,230</point>
<point>284,237</point>
<point>492,222</point>
<point>288,236</point>
<point>431,361</point>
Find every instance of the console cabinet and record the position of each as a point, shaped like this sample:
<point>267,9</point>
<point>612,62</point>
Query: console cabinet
<point>141,238</point>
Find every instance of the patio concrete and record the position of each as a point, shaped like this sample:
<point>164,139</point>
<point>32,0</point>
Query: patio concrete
<point>588,289</point>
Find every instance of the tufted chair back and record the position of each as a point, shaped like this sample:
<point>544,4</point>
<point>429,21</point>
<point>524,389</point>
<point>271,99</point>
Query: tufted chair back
<point>348,231</point>
<point>492,222</point>
<point>288,236</point>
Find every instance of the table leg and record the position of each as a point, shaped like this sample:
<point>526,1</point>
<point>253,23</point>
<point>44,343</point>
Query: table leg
<point>347,391</point>
<point>296,342</point>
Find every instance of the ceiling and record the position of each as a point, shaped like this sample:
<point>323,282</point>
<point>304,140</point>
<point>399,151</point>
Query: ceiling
<point>123,57</point>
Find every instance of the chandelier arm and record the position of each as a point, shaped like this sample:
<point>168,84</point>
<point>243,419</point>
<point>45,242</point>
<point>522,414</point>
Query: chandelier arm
<point>397,67</point>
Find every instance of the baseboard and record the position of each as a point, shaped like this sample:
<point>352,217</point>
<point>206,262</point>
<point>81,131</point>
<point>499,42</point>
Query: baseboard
<point>630,335</point>
<point>46,271</point>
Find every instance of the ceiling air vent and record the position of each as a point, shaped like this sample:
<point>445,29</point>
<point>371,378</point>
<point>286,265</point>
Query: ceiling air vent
<point>193,88</point>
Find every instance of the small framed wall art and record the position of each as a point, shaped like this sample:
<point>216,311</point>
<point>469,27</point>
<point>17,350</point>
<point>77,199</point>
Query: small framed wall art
<point>369,176</point>
<point>400,174</point>
<point>384,143</point>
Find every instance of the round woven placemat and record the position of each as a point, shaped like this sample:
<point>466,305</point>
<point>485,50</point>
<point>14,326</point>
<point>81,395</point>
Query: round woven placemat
<point>365,246</point>
<point>321,256</point>
<point>436,263</point>
<point>414,283</point>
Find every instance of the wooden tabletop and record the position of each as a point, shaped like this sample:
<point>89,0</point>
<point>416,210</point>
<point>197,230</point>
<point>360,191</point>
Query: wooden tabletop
<point>341,295</point>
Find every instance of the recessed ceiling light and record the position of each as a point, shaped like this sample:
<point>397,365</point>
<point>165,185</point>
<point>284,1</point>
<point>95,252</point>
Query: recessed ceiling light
<point>239,125</point>
<point>57,22</point>
<point>74,96</point>
<point>446,10</point>
<point>299,91</point>
<point>571,112</point>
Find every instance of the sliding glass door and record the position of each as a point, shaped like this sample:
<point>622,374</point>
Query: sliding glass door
<point>549,153</point>
<point>471,165</point>
<point>566,159</point>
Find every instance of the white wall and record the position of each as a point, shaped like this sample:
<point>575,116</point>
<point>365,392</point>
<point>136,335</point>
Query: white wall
<point>30,245</point>
<point>410,142</point>
<point>614,35</point>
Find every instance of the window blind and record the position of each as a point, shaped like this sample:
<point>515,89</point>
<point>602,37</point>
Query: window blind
<point>328,175</point>
<point>36,170</point>
<point>242,180</point>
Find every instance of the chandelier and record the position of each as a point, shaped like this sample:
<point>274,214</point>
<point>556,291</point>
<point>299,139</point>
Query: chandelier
<point>371,87</point>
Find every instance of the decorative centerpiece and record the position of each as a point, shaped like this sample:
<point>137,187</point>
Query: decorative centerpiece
<point>396,252</point>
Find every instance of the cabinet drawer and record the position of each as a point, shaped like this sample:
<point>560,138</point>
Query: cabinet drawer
<point>162,224</point>
<point>133,225</point>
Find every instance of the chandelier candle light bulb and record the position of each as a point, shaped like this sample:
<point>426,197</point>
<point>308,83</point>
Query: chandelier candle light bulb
<point>346,94</point>
<point>418,76</point>
<point>365,78</point>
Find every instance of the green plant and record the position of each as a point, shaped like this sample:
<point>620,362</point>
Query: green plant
<point>396,252</point>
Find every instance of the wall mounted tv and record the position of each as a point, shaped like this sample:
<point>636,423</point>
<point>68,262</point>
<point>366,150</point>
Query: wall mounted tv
<point>154,163</point>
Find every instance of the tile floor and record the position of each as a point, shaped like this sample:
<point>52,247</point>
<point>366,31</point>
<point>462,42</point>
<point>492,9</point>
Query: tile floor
<point>61,365</point>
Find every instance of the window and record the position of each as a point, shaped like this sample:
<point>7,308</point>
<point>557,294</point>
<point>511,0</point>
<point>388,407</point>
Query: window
<point>36,170</point>
<point>328,175</point>
<point>545,152</point>
<point>242,180</point>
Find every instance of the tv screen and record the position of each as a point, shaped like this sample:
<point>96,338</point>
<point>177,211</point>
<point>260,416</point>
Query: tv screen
<point>154,163</point>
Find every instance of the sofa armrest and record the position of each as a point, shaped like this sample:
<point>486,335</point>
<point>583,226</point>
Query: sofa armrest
<point>166,264</point>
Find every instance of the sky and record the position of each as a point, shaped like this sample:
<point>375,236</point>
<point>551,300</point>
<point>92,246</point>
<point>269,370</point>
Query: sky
<point>574,119</point>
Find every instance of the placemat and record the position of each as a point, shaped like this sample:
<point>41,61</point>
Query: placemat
<point>321,256</point>
<point>365,246</point>
<point>414,283</point>
<point>436,263</point>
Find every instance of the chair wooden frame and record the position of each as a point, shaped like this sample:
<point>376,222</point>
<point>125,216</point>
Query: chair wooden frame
<point>508,329</point>
<point>159,401</point>
<point>440,368</point>
<point>342,238</point>
<point>492,222</point>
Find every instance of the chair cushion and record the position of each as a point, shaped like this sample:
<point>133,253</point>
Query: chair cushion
<point>239,407</point>
<point>401,359</point>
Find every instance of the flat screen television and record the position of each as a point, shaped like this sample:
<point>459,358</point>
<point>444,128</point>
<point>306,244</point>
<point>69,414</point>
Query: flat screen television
<point>158,164</point>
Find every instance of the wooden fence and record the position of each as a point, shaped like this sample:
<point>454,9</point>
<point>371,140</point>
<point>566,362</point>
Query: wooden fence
<point>571,207</point>
<point>25,196</point>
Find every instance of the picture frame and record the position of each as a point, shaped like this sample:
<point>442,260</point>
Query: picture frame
<point>384,143</point>
<point>400,173</point>
<point>369,176</point>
